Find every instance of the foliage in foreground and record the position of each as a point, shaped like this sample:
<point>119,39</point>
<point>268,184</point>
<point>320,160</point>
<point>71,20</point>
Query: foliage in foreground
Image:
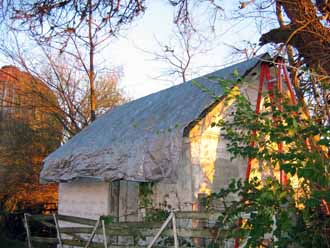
<point>271,214</point>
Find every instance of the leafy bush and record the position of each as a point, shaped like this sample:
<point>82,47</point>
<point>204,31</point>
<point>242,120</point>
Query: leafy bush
<point>266,213</point>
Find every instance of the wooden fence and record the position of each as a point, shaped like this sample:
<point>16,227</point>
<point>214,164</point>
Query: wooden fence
<point>81,232</point>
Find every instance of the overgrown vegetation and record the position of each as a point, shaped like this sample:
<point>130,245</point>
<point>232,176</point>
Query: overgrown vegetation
<point>152,214</point>
<point>266,213</point>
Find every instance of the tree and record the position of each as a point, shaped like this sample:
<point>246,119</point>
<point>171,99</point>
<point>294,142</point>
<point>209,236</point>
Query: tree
<point>68,84</point>
<point>307,31</point>
<point>179,53</point>
<point>73,27</point>
<point>29,131</point>
<point>72,92</point>
<point>305,28</point>
<point>303,32</point>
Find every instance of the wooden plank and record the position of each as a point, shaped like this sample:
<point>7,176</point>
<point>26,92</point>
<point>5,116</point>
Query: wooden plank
<point>40,217</point>
<point>191,233</point>
<point>80,243</point>
<point>116,227</point>
<point>46,240</point>
<point>144,232</point>
<point>111,232</point>
<point>99,245</point>
<point>105,240</point>
<point>59,237</point>
<point>159,232</point>
<point>205,215</point>
<point>48,224</point>
<point>77,220</point>
<point>68,230</point>
<point>93,233</point>
<point>175,233</point>
<point>28,233</point>
<point>43,219</point>
<point>140,225</point>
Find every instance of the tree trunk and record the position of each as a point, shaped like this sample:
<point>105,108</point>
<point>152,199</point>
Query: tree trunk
<point>91,73</point>
<point>306,33</point>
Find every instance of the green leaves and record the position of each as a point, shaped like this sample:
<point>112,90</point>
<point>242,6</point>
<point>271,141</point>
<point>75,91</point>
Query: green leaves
<point>107,219</point>
<point>289,216</point>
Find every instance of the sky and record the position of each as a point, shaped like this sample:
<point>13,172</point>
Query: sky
<point>133,49</point>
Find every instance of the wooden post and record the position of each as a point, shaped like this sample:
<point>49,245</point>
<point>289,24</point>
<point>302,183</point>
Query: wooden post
<point>58,232</point>
<point>199,242</point>
<point>169,218</point>
<point>28,234</point>
<point>175,233</point>
<point>105,241</point>
<point>93,233</point>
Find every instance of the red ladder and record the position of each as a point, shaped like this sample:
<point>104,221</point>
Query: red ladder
<point>271,84</point>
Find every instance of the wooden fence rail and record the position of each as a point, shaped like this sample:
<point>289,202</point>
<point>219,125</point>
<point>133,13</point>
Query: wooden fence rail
<point>82,230</point>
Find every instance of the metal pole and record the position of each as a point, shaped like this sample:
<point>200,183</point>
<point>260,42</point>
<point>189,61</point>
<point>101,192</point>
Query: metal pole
<point>263,73</point>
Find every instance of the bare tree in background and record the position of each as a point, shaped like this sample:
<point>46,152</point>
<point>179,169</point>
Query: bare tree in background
<point>69,86</point>
<point>184,10</point>
<point>77,28</point>
<point>303,32</point>
<point>179,53</point>
<point>73,96</point>
<point>247,49</point>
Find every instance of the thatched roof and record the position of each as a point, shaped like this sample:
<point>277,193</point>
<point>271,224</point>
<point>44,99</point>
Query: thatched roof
<point>140,140</point>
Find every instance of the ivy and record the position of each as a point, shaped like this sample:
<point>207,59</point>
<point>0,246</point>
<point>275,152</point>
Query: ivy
<point>107,219</point>
<point>152,214</point>
<point>145,193</point>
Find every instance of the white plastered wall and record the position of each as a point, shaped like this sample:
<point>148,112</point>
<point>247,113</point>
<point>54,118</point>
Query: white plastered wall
<point>84,199</point>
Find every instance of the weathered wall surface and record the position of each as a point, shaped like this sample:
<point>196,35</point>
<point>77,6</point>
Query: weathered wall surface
<point>84,199</point>
<point>176,195</point>
<point>210,161</point>
<point>128,201</point>
<point>205,165</point>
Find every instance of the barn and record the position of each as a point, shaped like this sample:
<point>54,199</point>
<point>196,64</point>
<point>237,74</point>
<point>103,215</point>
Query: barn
<point>166,138</point>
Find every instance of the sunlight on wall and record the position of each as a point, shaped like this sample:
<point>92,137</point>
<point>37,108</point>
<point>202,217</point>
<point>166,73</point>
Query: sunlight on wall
<point>204,142</point>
